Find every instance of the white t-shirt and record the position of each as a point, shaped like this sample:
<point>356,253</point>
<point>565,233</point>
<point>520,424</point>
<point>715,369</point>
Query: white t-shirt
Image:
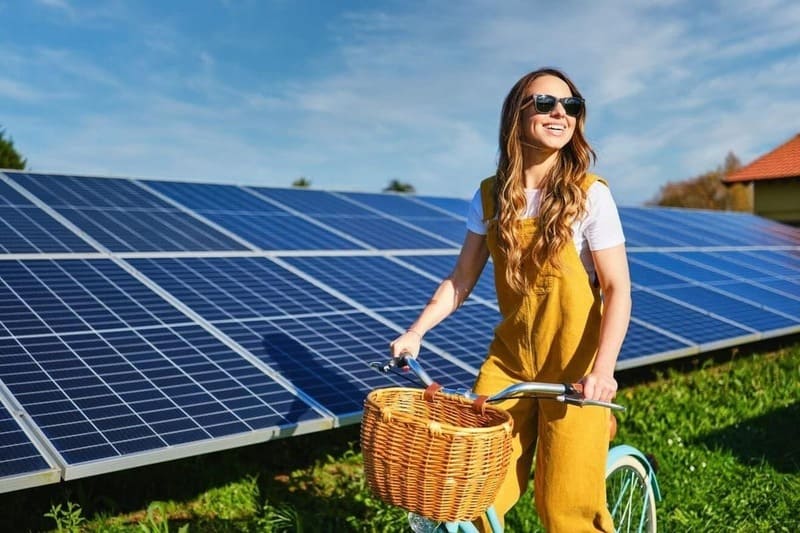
<point>599,228</point>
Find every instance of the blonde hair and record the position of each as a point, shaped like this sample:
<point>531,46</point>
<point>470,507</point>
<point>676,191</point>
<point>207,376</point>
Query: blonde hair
<point>562,198</point>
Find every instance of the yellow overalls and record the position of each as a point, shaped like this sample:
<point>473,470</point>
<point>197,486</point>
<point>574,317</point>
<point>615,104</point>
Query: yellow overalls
<point>550,333</point>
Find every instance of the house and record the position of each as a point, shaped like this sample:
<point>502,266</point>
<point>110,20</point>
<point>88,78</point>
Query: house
<point>774,181</point>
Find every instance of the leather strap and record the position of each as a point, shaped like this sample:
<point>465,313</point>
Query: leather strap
<point>432,389</point>
<point>479,405</point>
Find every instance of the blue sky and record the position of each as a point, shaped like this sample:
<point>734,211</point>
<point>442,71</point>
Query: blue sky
<point>352,94</point>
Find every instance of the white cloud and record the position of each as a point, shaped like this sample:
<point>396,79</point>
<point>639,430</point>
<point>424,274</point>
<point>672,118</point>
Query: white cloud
<point>414,92</point>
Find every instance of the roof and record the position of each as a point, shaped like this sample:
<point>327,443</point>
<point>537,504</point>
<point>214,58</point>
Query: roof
<point>782,162</point>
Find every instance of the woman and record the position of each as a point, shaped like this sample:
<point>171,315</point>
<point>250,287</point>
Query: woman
<point>556,241</point>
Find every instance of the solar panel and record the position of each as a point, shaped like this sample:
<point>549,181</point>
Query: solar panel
<point>22,464</point>
<point>99,397</point>
<point>25,228</point>
<point>372,281</point>
<point>259,222</point>
<point>455,206</point>
<point>220,288</point>
<point>416,214</point>
<point>440,266</point>
<point>359,221</point>
<point>465,335</point>
<point>327,356</point>
<point>45,296</point>
<point>149,320</point>
<point>122,216</point>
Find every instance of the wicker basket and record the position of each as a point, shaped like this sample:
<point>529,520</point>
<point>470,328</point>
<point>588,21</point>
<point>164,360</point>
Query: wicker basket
<point>439,457</point>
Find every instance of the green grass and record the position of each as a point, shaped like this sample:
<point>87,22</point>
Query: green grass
<point>726,437</point>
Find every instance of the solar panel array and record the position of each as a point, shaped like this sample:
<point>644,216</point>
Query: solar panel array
<point>143,321</point>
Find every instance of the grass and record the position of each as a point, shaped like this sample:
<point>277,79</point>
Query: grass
<point>725,435</point>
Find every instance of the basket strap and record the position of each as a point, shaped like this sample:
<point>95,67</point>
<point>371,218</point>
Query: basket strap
<point>432,389</point>
<point>479,405</point>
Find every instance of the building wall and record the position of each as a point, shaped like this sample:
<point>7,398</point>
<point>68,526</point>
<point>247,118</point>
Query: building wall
<point>778,200</point>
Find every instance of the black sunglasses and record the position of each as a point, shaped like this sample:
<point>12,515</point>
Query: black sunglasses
<point>545,103</point>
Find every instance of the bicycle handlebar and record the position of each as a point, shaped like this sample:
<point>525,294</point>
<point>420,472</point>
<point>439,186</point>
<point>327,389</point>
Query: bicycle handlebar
<point>565,393</point>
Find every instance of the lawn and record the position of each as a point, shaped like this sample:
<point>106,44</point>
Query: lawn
<point>725,435</point>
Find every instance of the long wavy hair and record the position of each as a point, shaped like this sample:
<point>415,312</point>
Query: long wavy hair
<point>562,198</point>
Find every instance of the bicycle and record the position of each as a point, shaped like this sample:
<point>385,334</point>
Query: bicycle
<point>631,485</point>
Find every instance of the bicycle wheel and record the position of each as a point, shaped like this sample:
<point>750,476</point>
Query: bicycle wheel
<point>631,498</point>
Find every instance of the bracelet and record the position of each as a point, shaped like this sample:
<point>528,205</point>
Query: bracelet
<point>415,332</point>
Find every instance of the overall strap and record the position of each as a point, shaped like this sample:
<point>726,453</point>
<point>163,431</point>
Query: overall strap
<point>590,179</point>
<point>488,198</point>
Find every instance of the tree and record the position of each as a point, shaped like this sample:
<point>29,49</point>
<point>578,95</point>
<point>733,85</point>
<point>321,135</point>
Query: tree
<point>9,157</point>
<point>706,191</point>
<point>396,186</point>
<point>301,183</point>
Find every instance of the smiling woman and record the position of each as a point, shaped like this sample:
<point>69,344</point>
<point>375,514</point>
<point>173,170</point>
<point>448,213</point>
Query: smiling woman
<point>555,238</point>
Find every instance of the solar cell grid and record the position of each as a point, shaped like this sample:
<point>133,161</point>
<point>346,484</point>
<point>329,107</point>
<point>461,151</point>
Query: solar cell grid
<point>374,282</point>
<point>673,262</point>
<point>440,266</point>
<point>654,278</point>
<point>725,263</point>
<point>382,233</point>
<point>99,396</point>
<point>18,455</point>
<point>204,197</point>
<point>281,232</point>
<point>237,288</point>
<point>98,193</point>
<point>682,321</point>
<point>747,228</point>
<point>312,203</point>
<point>641,342</point>
<point>465,334</point>
<point>449,229</point>
<point>455,206</point>
<point>765,262</point>
<point>148,231</point>
<point>778,295</point>
<point>730,307</point>
<point>46,296</point>
<point>640,237</point>
<point>31,230</point>
<point>784,259</point>
<point>328,356</point>
<point>663,229</point>
<point>394,205</point>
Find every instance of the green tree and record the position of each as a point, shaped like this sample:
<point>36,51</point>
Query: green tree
<point>706,191</point>
<point>9,157</point>
<point>302,183</point>
<point>397,186</point>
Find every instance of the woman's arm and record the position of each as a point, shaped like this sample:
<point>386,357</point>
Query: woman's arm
<point>450,294</point>
<point>612,271</point>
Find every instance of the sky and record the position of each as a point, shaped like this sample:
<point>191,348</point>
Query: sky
<point>353,94</point>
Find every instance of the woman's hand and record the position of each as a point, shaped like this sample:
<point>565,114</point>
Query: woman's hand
<point>407,344</point>
<point>599,386</point>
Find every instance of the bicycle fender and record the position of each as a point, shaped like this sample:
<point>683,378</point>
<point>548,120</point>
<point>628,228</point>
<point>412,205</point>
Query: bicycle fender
<point>622,450</point>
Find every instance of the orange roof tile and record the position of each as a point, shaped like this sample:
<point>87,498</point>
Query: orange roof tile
<point>782,162</point>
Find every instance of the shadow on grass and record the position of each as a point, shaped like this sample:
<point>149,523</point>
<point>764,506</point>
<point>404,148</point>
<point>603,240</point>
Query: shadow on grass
<point>182,480</point>
<point>771,438</point>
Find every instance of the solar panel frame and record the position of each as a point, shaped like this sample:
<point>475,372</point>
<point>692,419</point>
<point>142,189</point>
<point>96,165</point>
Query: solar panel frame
<point>24,461</point>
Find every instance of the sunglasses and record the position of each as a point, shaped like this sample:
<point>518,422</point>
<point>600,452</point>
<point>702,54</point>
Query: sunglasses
<point>545,103</point>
